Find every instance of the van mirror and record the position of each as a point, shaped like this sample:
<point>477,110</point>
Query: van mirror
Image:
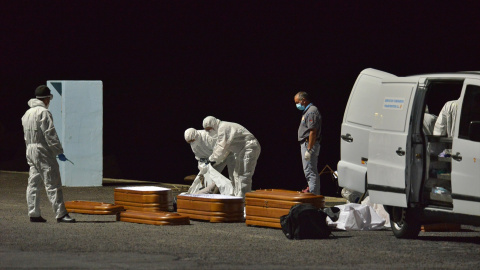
<point>474,131</point>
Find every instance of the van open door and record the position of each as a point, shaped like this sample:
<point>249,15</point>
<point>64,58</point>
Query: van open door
<point>356,126</point>
<point>465,175</point>
<point>389,144</point>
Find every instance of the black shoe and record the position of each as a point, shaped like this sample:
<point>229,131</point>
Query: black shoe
<point>66,219</point>
<point>37,219</point>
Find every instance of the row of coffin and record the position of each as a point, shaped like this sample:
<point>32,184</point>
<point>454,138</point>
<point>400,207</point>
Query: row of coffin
<point>154,205</point>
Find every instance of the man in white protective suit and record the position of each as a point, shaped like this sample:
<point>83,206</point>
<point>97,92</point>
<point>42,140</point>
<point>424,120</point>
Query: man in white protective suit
<point>202,146</point>
<point>43,146</point>
<point>232,137</point>
<point>429,121</point>
<point>445,124</point>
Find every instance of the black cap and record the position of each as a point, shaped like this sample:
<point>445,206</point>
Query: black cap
<point>42,91</point>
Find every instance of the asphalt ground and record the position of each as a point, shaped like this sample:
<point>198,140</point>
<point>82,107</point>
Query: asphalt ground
<point>100,242</point>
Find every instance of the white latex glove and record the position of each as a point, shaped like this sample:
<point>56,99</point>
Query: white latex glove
<point>203,168</point>
<point>308,155</point>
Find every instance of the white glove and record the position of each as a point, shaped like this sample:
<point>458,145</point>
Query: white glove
<point>203,168</point>
<point>308,154</point>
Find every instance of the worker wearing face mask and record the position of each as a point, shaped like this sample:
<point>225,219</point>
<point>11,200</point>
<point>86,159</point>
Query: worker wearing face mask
<point>202,146</point>
<point>43,146</point>
<point>309,137</point>
<point>232,137</point>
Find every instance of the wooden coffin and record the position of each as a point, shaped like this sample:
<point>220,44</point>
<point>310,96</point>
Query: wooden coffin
<point>144,198</point>
<point>211,207</point>
<point>153,218</point>
<point>93,208</point>
<point>145,207</point>
<point>265,207</point>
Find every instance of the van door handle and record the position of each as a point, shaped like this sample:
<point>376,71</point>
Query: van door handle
<point>457,157</point>
<point>347,137</point>
<point>400,152</point>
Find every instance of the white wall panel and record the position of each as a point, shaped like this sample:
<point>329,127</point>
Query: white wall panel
<point>77,109</point>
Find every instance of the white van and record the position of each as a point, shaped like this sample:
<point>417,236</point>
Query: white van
<point>385,151</point>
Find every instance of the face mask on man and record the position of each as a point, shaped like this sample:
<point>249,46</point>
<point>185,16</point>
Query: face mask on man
<point>300,106</point>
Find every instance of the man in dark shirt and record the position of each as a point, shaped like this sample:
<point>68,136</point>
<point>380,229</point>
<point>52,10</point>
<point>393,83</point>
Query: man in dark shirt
<point>309,136</point>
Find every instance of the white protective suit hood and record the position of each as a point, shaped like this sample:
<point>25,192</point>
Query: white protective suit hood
<point>203,145</point>
<point>36,102</point>
<point>190,134</point>
<point>212,122</point>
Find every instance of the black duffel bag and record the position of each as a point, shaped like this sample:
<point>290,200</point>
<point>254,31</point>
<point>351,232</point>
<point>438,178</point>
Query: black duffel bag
<point>304,221</point>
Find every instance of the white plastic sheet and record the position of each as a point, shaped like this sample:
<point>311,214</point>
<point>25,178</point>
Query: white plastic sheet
<point>379,209</point>
<point>358,217</point>
<point>209,175</point>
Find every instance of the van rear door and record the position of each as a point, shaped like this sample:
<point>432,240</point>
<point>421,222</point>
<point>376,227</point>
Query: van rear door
<point>388,143</point>
<point>465,175</point>
<point>356,126</point>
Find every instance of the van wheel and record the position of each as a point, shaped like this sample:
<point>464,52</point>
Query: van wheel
<point>404,224</point>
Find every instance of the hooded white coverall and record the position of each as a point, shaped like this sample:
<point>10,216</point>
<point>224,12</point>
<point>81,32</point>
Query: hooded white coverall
<point>43,146</point>
<point>237,139</point>
<point>429,121</point>
<point>202,147</point>
<point>445,124</point>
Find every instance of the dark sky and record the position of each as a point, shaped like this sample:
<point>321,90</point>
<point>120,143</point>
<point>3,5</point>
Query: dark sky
<point>166,65</point>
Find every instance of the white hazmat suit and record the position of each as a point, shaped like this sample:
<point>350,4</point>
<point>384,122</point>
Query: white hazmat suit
<point>237,139</point>
<point>43,146</point>
<point>202,147</point>
<point>429,123</point>
<point>445,124</point>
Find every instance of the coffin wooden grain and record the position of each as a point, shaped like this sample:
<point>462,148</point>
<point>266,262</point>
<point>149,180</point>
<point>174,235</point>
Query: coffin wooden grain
<point>93,208</point>
<point>144,198</point>
<point>146,207</point>
<point>265,207</point>
<point>211,207</point>
<point>153,218</point>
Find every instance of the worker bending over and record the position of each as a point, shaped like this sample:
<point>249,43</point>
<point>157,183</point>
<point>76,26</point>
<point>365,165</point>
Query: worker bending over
<point>202,146</point>
<point>232,137</point>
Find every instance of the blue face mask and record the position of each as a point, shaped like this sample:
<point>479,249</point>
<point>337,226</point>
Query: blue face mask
<point>300,107</point>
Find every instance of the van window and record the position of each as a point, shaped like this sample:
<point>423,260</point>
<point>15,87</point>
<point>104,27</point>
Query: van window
<point>362,105</point>
<point>470,110</point>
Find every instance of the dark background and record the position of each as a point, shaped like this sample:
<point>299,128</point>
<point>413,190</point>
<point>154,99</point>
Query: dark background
<point>166,65</point>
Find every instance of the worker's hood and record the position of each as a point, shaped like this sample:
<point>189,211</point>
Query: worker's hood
<point>35,103</point>
<point>212,122</point>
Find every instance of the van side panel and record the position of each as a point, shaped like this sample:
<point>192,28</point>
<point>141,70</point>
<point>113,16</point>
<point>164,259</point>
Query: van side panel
<point>395,199</point>
<point>363,100</point>
<point>388,148</point>
<point>465,174</point>
<point>356,124</point>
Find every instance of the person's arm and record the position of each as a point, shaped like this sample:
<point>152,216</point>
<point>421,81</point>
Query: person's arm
<point>221,149</point>
<point>312,137</point>
<point>50,134</point>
